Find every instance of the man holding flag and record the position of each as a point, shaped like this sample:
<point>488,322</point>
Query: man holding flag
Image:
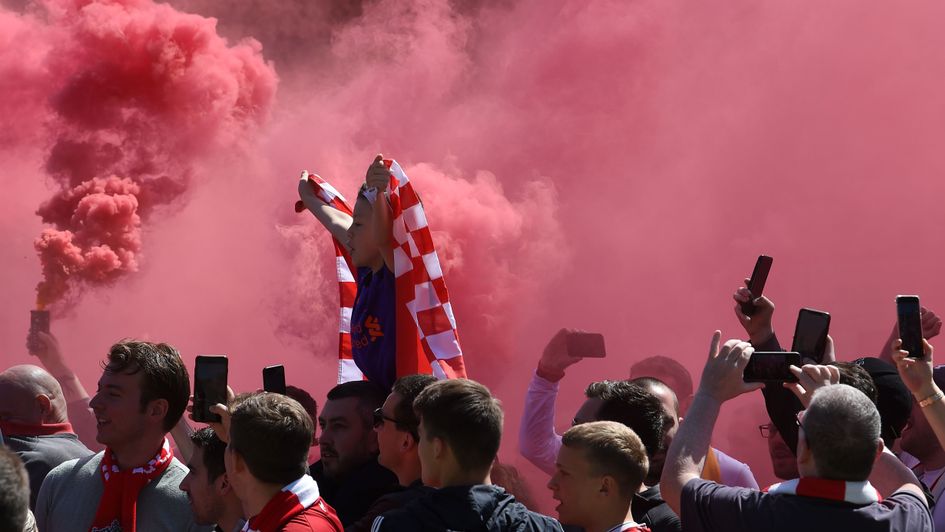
<point>396,317</point>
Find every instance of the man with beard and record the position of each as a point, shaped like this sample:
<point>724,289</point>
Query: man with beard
<point>348,474</point>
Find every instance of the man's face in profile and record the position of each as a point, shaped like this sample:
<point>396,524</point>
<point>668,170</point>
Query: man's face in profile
<point>117,407</point>
<point>347,441</point>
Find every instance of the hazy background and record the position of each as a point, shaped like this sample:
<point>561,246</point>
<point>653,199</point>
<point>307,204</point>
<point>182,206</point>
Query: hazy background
<point>609,165</point>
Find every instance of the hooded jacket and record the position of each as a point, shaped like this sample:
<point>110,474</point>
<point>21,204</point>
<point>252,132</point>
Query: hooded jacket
<point>479,508</point>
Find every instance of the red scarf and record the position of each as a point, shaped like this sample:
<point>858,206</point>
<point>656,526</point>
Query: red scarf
<point>117,508</point>
<point>12,428</point>
<point>294,499</point>
<point>861,493</point>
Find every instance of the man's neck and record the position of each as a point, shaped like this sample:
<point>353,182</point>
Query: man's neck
<point>138,452</point>
<point>459,477</point>
<point>408,473</point>
<point>257,496</point>
<point>609,519</point>
<point>933,460</point>
<point>232,514</point>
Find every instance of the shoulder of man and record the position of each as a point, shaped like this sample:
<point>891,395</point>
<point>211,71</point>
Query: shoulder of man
<point>401,519</point>
<point>77,469</point>
<point>516,516</point>
<point>77,474</point>
<point>313,519</point>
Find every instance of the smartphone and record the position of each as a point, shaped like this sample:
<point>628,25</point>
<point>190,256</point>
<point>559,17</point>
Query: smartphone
<point>756,285</point>
<point>209,386</point>
<point>274,379</point>
<point>771,366</point>
<point>910,325</point>
<point>810,334</point>
<point>39,322</point>
<point>586,345</point>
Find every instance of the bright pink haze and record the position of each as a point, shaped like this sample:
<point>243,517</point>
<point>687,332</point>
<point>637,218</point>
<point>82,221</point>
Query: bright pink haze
<point>136,93</point>
<point>609,165</point>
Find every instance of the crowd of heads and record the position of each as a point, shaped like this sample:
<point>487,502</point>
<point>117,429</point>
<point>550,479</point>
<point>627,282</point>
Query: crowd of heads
<point>442,433</point>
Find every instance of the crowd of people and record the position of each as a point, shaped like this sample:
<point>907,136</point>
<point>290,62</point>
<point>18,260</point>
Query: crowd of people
<point>859,445</point>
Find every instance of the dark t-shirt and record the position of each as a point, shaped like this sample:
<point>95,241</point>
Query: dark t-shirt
<point>650,509</point>
<point>40,454</point>
<point>353,496</point>
<point>712,507</point>
<point>373,326</point>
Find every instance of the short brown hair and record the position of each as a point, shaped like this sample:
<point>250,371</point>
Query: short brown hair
<point>408,388</point>
<point>163,374</point>
<point>272,432</point>
<point>14,491</point>
<point>463,414</point>
<point>612,449</point>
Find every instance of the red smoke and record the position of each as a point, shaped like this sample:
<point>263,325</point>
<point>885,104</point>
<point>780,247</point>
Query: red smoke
<point>138,93</point>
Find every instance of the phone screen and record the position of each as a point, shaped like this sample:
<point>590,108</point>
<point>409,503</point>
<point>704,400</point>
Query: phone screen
<point>910,325</point>
<point>274,379</point>
<point>810,334</point>
<point>756,285</point>
<point>587,345</point>
<point>209,386</point>
<point>766,366</point>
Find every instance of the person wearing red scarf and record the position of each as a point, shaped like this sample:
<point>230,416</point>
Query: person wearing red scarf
<point>133,483</point>
<point>268,436</point>
<point>840,455</point>
<point>34,423</point>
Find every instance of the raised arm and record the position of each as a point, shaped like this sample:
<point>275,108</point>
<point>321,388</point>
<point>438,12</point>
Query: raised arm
<point>77,398</point>
<point>916,373</point>
<point>378,178</point>
<point>334,220</point>
<point>931,326</point>
<point>537,439</point>
<point>722,379</point>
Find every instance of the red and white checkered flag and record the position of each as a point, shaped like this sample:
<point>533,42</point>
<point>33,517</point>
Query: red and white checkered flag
<point>427,338</point>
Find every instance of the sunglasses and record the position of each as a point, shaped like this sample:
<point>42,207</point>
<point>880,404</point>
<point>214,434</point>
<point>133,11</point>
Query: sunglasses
<point>380,418</point>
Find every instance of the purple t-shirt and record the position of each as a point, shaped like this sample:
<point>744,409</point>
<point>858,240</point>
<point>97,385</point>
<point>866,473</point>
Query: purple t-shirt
<point>712,507</point>
<point>373,340</point>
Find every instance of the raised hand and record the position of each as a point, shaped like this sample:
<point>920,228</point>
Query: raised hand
<point>810,378</point>
<point>723,375</point>
<point>378,175</point>
<point>555,359</point>
<point>758,325</point>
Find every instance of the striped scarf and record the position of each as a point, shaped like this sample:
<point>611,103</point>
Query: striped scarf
<point>292,500</point>
<point>859,493</point>
<point>117,509</point>
<point>427,339</point>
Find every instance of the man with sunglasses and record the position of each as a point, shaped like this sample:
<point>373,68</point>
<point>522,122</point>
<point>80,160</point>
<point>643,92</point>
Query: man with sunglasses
<point>348,475</point>
<point>396,425</point>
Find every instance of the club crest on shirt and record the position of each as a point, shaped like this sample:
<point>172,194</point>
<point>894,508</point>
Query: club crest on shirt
<point>114,526</point>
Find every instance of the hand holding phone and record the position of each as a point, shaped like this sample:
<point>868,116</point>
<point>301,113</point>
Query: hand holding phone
<point>908,311</point>
<point>771,367</point>
<point>756,284</point>
<point>274,379</point>
<point>586,345</point>
<point>810,334</point>
<point>210,373</point>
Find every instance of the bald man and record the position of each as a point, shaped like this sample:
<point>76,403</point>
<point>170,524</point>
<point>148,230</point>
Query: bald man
<point>34,423</point>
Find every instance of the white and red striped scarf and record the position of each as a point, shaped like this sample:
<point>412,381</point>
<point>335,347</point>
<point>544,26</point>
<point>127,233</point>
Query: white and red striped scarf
<point>427,338</point>
<point>860,493</point>
<point>424,312</point>
<point>347,285</point>
<point>292,500</point>
<point>117,509</point>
